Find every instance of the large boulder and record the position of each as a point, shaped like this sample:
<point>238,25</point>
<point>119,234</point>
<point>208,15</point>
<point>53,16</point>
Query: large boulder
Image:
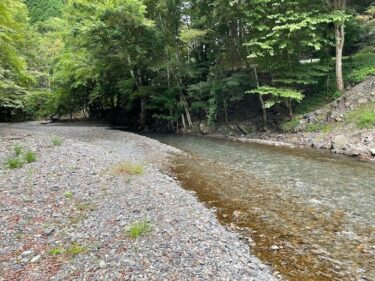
<point>340,142</point>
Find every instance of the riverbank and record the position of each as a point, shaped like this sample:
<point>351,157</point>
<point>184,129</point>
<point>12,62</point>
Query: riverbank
<point>96,205</point>
<point>344,126</point>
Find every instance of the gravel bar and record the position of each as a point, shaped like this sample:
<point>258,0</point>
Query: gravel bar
<point>66,216</point>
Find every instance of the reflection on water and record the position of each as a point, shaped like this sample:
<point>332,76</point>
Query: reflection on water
<point>309,214</point>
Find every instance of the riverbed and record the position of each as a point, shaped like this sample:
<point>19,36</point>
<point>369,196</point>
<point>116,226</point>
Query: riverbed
<point>309,214</point>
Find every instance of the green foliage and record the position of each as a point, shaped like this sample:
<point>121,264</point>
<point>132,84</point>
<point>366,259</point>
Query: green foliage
<point>361,65</point>
<point>56,141</point>
<point>277,95</point>
<point>56,251</point>
<point>18,150</point>
<point>290,126</point>
<point>139,229</point>
<point>316,127</point>
<point>364,117</point>
<point>14,163</point>
<point>41,10</point>
<point>128,168</point>
<point>75,249</point>
<point>68,195</point>
<point>30,156</point>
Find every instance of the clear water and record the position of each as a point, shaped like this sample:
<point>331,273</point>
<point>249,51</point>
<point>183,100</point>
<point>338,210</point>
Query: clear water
<point>309,214</point>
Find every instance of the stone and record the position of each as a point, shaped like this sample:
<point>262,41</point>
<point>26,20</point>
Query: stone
<point>26,253</point>
<point>204,129</point>
<point>35,259</point>
<point>275,247</point>
<point>49,231</point>
<point>102,264</point>
<point>362,100</point>
<point>372,151</point>
<point>340,142</point>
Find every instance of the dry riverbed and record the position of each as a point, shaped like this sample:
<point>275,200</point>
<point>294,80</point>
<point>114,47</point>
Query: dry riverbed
<point>95,205</point>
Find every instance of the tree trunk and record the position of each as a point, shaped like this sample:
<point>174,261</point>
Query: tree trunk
<point>264,112</point>
<point>340,40</point>
<point>339,5</point>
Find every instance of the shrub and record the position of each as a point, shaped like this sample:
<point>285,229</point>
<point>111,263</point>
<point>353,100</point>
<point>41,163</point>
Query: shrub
<point>139,229</point>
<point>30,156</point>
<point>14,163</point>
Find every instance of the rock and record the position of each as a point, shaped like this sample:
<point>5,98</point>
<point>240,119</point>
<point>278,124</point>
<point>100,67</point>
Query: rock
<point>35,259</point>
<point>204,129</point>
<point>26,253</point>
<point>274,248</point>
<point>352,152</point>
<point>102,264</point>
<point>49,231</point>
<point>362,100</point>
<point>340,142</point>
<point>372,151</point>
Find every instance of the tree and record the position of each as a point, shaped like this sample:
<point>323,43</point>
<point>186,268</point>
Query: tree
<point>15,36</point>
<point>339,8</point>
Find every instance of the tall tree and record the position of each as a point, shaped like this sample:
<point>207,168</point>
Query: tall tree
<point>339,8</point>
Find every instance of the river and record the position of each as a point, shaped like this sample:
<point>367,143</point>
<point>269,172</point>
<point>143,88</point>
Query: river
<point>309,214</point>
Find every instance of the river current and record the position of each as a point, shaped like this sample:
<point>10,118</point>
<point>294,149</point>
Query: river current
<point>309,214</point>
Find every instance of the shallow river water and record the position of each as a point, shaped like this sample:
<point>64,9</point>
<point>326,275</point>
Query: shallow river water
<point>309,214</point>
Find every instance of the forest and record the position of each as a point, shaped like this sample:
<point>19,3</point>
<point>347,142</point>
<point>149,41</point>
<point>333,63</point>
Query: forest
<point>170,64</point>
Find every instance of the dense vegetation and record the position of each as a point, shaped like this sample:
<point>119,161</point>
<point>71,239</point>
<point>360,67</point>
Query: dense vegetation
<point>170,63</point>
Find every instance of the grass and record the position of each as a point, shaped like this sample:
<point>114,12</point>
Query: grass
<point>290,126</point>
<point>83,207</point>
<point>315,127</point>
<point>14,163</point>
<point>73,250</point>
<point>56,141</point>
<point>139,229</point>
<point>364,117</point>
<point>128,168</point>
<point>30,156</point>
<point>18,150</point>
<point>68,195</point>
<point>77,219</point>
<point>56,251</point>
